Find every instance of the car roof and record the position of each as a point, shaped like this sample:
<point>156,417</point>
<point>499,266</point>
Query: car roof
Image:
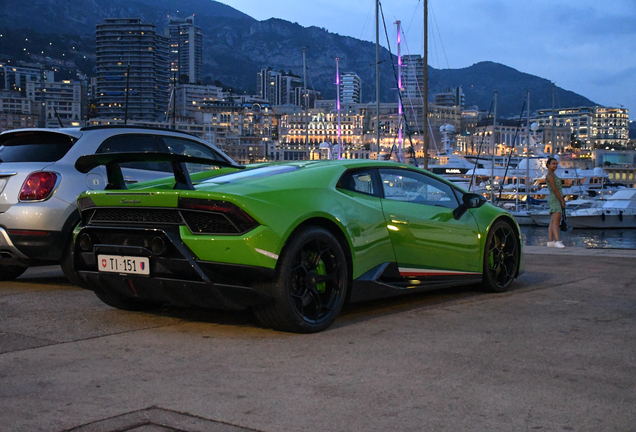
<point>77,132</point>
<point>74,132</point>
<point>345,163</point>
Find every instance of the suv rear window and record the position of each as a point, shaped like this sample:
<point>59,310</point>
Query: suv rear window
<point>34,146</point>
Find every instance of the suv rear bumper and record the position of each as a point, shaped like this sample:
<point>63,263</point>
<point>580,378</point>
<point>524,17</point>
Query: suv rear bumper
<point>9,254</point>
<point>31,247</point>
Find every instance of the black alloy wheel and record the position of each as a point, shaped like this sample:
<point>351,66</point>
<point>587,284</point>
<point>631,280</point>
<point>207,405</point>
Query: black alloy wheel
<point>311,284</point>
<point>501,257</point>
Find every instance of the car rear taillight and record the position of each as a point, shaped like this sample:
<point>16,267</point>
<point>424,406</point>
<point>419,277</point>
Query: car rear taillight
<point>38,186</point>
<point>236,220</point>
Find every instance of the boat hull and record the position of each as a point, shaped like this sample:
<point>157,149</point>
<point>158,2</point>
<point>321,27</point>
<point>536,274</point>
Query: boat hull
<point>541,220</point>
<point>596,221</point>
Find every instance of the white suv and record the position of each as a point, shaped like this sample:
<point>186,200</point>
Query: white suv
<point>39,184</point>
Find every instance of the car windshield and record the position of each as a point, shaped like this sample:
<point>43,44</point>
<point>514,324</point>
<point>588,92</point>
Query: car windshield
<point>36,146</point>
<point>251,173</point>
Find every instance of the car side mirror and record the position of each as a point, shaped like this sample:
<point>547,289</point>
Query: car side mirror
<point>469,201</point>
<point>473,200</point>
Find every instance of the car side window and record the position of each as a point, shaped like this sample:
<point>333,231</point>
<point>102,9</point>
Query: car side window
<point>191,148</point>
<point>411,186</point>
<point>135,143</point>
<point>358,181</point>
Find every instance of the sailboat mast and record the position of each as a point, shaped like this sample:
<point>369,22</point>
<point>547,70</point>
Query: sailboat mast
<point>306,99</point>
<point>494,138</point>
<point>338,107</point>
<point>553,124</point>
<point>425,89</point>
<point>528,145</point>
<point>377,75</point>
<point>399,89</point>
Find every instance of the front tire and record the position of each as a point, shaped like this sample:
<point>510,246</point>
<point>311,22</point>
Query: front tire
<point>10,272</point>
<point>310,285</point>
<point>501,257</point>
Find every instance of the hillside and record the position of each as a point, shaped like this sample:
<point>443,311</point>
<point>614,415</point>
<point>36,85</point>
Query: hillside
<point>237,46</point>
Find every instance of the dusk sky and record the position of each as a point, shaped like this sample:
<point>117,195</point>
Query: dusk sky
<point>586,46</point>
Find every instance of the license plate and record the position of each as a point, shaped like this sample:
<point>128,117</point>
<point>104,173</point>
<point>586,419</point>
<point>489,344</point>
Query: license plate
<point>123,264</point>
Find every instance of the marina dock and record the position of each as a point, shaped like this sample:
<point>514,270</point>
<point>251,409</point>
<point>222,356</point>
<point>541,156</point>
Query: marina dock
<point>554,353</point>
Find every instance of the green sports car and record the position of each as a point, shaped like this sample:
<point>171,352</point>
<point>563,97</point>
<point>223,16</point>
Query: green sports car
<point>292,241</point>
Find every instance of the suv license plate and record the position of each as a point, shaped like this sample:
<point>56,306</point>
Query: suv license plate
<point>123,264</point>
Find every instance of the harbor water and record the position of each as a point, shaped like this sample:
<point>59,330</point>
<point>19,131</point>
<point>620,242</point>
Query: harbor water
<point>588,238</point>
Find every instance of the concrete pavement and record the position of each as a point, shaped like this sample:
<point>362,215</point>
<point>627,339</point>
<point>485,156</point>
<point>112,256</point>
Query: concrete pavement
<point>555,353</point>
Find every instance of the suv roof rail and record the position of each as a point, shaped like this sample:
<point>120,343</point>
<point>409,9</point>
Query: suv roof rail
<point>85,128</point>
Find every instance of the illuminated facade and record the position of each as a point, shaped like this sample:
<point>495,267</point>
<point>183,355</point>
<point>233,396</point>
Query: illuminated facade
<point>321,127</point>
<point>591,127</point>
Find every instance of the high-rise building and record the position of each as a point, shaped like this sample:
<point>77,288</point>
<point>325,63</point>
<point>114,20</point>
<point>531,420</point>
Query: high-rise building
<point>278,87</point>
<point>350,88</point>
<point>186,50</point>
<point>412,76</point>
<point>132,70</point>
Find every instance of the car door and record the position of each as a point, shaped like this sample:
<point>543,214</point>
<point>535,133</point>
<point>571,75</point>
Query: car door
<point>426,238</point>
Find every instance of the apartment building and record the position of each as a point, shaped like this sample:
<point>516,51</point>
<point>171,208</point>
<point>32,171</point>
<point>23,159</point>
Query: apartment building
<point>58,103</point>
<point>350,88</point>
<point>186,50</point>
<point>133,70</point>
<point>15,78</point>
<point>412,77</point>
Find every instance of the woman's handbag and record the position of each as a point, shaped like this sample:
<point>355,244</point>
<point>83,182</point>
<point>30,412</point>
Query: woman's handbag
<point>564,225</point>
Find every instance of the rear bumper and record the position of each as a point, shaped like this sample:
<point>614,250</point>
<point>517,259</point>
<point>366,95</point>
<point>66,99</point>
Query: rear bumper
<point>176,292</point>
<point>9,253</point>
<point>32,247</point>
<point>35,239</point>
<point>177,276</point>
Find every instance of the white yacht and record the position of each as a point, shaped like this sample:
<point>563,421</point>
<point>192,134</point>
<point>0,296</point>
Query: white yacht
<point>618,210</point>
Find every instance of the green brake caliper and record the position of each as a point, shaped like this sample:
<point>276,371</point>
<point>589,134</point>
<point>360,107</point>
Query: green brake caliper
<point>321,270</point>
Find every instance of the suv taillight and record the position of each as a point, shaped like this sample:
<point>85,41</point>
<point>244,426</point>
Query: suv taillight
<point>38,186</point>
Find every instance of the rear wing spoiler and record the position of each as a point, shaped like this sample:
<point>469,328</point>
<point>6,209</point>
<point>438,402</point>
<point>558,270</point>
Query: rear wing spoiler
<point>113,162</point>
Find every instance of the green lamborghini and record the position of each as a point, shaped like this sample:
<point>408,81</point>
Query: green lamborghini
<point>291,241</point>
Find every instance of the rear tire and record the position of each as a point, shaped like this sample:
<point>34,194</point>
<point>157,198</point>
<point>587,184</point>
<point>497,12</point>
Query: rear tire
<point>501,257</point>
<point>10,272</point>
<point>67,264</point>
<point>310,285</point>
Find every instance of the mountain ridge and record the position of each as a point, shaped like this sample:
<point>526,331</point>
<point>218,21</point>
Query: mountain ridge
<point>237,46</point>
